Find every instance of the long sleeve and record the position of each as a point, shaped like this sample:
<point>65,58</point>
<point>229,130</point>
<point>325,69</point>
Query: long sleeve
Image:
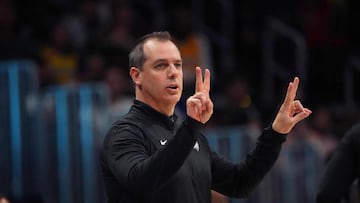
<point>341,170</point>
<point>238,180</point>
<point>135,169</point>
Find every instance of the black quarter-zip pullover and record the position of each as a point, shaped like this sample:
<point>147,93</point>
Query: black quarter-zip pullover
<point>147,157</point>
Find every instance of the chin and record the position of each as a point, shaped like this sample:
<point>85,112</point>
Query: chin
<point>174,99</point>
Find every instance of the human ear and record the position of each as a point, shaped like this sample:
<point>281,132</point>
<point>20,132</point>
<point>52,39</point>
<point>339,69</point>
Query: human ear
<point>135,75</point>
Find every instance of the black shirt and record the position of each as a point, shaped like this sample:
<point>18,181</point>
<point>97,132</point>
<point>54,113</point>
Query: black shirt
<point>342,169</point>
<point>146,157</point>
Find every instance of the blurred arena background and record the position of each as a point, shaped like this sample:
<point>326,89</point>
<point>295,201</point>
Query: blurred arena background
<point>64,80</point>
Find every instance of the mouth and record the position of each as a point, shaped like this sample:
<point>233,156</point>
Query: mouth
<point>173,86</point>
<point>173,89</point>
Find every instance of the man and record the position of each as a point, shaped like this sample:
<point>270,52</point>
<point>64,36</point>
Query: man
<point>342,169</point>
<point>146,157</point>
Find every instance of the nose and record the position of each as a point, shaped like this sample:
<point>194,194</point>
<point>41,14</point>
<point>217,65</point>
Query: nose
<point>173,71</point>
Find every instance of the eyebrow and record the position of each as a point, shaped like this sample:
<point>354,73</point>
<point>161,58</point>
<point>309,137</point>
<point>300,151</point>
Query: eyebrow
<point>165,60</point>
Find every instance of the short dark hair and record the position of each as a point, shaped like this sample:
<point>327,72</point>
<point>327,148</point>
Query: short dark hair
<point>137,57</point>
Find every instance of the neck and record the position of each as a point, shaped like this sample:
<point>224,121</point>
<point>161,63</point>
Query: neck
<point>164,108</point>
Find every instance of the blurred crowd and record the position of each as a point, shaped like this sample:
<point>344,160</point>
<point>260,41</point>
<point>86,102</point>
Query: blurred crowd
<point>84,41</point>
<point>89,40</point>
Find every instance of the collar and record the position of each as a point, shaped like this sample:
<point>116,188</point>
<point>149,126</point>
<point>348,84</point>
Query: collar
<point>154,115</point>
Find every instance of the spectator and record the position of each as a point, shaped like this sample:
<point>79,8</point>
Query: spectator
<point>60,57</point>
<point>93,69</point>
<point>86,25</point>
<point>119,86</point>
<point>235,104</point>
<point>321,133</point>
<point>342,169</point>
<point>193,45</point>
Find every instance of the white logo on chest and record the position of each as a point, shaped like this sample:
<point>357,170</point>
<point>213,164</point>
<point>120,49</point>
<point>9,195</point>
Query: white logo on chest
<point>163,142</point>
<point>196,146</point>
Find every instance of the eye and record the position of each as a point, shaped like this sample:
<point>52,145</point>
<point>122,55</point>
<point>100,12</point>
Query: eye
<point>161,65</point>
<point>178,65</point>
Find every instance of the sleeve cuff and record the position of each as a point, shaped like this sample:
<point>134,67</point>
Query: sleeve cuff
<point>192,123</point>
<point>272,136</point>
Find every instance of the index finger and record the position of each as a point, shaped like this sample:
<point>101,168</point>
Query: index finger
<point>291,92</point>
<point>207,81</point>
<point>199,85</point>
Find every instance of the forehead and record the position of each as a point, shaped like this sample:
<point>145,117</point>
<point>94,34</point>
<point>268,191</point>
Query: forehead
<point>156,49</point>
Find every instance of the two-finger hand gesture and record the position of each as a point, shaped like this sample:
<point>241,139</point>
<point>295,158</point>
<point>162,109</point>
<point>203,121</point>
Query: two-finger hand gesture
<point>199,106</point>
<point>291,110</point>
